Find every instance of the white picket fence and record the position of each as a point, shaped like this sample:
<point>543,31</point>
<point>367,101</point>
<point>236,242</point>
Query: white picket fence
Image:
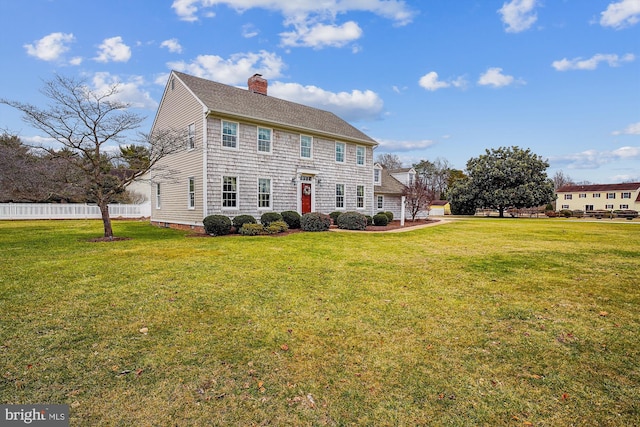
<point>70,211</point>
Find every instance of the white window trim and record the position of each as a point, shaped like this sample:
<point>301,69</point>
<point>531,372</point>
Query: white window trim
<point>624,206</point>
<point>344,197</point>
<point>310,148</point>
<point>258,140</point>
<point>364,155</point>
<point>364,199</point>
<point>224,147</point>
<point>191,137</point>
<point>270,207</point>
<point>625,195</point>
<point>344,152</point>
<point>230,208</point>
<point>190,180</point>
<point>379,176</point>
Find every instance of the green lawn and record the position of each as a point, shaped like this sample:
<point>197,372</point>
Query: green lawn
<point>477,322</point>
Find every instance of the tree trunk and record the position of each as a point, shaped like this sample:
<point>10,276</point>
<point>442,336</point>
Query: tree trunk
<point>106,219</point>
<point>501,211</point>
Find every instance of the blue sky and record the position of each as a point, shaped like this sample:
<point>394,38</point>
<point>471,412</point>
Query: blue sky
<point>427,79</point>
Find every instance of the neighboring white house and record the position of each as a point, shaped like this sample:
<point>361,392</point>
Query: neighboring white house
<point>596,197</point>
<point>249,153</point>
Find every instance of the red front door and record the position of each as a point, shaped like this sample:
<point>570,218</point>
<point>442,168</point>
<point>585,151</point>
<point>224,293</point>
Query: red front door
<point>306,198</point>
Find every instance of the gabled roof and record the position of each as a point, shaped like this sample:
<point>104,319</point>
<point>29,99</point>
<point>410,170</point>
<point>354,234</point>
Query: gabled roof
<point>231,101</point>
<point>439,203</point>
<point>631,186</point>
<point>388,184</point>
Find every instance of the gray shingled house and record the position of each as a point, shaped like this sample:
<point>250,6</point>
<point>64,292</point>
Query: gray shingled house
<point>248,153</point>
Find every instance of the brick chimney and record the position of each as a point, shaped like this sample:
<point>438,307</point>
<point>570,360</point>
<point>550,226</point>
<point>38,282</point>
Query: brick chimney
<point>257,84</point>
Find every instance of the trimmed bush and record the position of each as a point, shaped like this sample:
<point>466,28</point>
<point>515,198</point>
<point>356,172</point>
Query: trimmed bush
<point>577,213</point>
<point>380,219</point>
<point>369,219</point>
<point>292,218</point>
<point>334,216</point>
<point>315,221</point>
<point>217,225</point>
<point>269,217</point>
<point>389,215</point>
<point>251,229</point>
<point>352,221</point>
<point>276,227</point>
<point>241,220</point>
<point>565,213</point>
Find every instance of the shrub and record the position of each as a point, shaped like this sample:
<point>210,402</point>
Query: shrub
<point>352,221</point>
<point>334,216</point>
<point>565,213</point>
<point>217,225</point>
<point>369,219</point>
<point>389,215</point>
<point>276,227</point>
<point>315,221</point>
<point>251,229</point>
<point>241,220</point>
<point>549,207</point>
<point>292,218</point>
<point>380,219</point>
<point>551,214</point>
<point>577,213</point>
<point>269,217</point>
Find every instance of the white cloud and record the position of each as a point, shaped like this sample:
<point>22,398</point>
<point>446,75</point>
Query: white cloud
<point>621,14</point>
<point>321,35</point>
<point>593,159</point>
<point>173,45</point>
<point>632,129</point>
<point>392,146</point>
<point>235,70</point>
<point>249,31</point>
<point>351,106</point>
<point>494,77</point>
<point>130,92</point>
<point>50,47</point>
<point>113,49</point>
<point>314,22</point>
<point>395,10</point>
<point>592,63</point>
<point>431,82</point>
<point>518,15</point>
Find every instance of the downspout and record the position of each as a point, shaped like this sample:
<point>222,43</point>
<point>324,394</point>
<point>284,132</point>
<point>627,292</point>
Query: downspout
<point>205,175</point>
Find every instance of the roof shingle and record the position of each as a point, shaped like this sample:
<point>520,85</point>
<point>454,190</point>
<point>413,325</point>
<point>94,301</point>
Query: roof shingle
<point>232,101</point>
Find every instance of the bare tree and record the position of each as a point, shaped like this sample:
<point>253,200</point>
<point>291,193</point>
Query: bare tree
<point>389,161</point>
<point>90,125</point>
<point>435,174</point>
<point>418,197</point>
<point>560,180</point>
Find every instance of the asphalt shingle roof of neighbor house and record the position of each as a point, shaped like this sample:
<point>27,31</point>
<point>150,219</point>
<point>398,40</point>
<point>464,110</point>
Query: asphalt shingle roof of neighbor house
<point>598,187</point>
<point>236,102</point>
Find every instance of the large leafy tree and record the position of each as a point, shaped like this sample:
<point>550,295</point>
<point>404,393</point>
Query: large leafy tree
<point>91,125</point>
<point>502,178</point>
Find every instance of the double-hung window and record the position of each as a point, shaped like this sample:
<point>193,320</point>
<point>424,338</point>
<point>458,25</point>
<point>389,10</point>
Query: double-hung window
<point>191,204</point>
<point>582,195</point>
<point>360,196</point>
<point>376,176</point>
<point>191,139</point>
<point>264,193</point>
<point>611,195</point>
<point>360,155</point>
<point>568,196</point>
<point>596,195</point>
<point>340,148</point>
<point>229,134</point>
<point>624,206</point>
<point>264,140</point>
<point>158,196</point>
<point>380,204</point>
<point>339,196</point>
<point>306,146</point>
<point>625,195</point>
<point>229,192</point>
